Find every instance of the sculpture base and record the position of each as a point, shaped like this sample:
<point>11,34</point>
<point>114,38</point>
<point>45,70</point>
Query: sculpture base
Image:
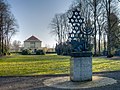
<point>81,67</point>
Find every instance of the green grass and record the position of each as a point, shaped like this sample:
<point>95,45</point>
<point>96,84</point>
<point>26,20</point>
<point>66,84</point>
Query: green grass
<point>24,65</point>
<point>33,65</point>
<point>103,64</point>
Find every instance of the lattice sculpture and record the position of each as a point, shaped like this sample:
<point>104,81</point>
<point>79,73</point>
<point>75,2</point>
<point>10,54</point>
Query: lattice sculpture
<point>79,36</point>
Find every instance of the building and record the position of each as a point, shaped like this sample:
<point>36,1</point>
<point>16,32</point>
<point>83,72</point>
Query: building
<point>32,43</point>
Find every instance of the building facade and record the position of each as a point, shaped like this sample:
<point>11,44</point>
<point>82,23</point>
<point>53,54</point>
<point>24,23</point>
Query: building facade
<point>32,43</point>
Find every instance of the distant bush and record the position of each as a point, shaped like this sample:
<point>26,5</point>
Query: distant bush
<point>109,56</point>
<point>26,52</point>
<point>40,52</point>
<point>4,54</point>
<point>16,52</point>
<point>51,53</point>
<point>8,53</point>
<point>63,48</point>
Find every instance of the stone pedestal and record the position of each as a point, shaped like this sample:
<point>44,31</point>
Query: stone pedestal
<point>81,67</point>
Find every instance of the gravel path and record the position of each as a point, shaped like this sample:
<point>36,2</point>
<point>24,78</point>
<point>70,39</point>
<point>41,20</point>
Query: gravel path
<point>36,83</point>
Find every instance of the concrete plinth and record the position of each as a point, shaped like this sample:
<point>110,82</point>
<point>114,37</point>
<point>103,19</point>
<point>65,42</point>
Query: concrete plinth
<point>81,67</point>
<point>65,83</point>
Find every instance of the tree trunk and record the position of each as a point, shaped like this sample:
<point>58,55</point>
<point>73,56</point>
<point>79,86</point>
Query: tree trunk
<point>95,49</point>
<point>99,41</point>
<point>104,42</point>
<point>2,42</point>
<point>108,34</point>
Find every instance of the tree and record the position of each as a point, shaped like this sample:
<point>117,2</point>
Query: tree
<point>110,7</point>
<point>55,25</point>
<point>8,26</point>
<point>60,28</point>
<point>115,31</point>
<point>16,45</point>
<point>96,14</point>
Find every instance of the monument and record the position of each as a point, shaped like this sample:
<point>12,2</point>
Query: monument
<point>81,59</point>
<point>81,55</point>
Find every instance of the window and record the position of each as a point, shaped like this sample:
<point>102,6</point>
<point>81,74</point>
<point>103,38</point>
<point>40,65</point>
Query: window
<point>32,44</point>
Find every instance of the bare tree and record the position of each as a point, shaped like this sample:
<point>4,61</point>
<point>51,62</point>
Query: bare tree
<point>16,45</point>
<point>55,25</point>
<point>60,27</point>
<point>110,7</point>
<point>8,25</point>
<point>96,14</point>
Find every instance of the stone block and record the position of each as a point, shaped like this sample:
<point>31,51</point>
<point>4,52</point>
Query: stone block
<point>81,68</point>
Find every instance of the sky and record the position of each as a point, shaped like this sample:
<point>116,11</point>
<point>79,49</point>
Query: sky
<point>34,18</point>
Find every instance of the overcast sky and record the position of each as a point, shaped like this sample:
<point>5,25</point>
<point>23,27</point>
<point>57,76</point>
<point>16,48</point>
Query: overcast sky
<point>34,17</point>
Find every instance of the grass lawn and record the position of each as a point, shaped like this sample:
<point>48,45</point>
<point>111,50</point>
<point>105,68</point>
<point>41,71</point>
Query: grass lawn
<point>24,65</point>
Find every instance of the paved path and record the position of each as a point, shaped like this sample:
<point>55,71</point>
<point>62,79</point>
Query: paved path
<point>36,83</point>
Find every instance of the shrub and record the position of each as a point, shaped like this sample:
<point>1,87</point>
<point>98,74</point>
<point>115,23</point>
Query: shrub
<point>109,56</point>
<point>4,54</point>
<point>40,52</point>
<point>8,53</point>
<point>26,52</point>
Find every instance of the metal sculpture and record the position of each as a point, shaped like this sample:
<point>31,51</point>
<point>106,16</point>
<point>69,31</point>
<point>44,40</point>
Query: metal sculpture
<point>79,36</point>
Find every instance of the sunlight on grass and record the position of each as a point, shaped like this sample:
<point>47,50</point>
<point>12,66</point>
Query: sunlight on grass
<point>21,65</point>
<point>34,65</point>
<point>102,64</point>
